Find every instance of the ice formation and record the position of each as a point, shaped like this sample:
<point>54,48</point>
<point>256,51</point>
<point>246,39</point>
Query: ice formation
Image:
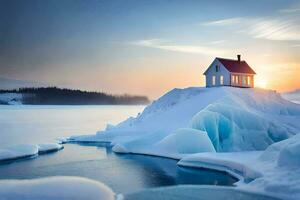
<point>250,133</point>
<point>27,150</point>
<point>235,119</point>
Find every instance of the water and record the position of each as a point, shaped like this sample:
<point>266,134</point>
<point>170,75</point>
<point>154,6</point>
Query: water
<point>40,124</point>
<point>123,173</point>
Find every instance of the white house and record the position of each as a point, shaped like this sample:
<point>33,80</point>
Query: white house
<point>228,72</point>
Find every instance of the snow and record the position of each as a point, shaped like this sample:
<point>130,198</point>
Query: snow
<point>55,188</point>
<point>18,151</point>
<point>275,171</point>
<point>235,119</point>
<point>249,133</point>
<point>175,145</point>
<point>27,150</point>
<point>293,96</point>
<point>11,98</point>
<point>49,147</point>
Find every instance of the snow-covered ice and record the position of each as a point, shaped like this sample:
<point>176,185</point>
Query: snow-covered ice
<point>250,133</point>
<point>175,145</point>
<point>18,151</point>
<point>55,188</point>
<point>235,119</point>
<point>275,171</point>
<point>49,147</point>
<point>27,150</point>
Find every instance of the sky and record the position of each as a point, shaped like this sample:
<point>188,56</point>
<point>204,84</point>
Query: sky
<point>147,47</point>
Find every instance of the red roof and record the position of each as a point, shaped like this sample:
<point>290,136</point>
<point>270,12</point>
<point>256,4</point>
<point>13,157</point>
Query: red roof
<point>236,66</point>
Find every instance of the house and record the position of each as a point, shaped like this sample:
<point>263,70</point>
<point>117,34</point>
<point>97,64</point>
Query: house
<point>228,72</point>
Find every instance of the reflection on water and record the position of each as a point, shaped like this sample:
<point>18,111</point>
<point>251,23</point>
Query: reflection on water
<point>123,173</point>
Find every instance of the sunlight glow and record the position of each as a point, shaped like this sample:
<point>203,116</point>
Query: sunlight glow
<point>261,83</point>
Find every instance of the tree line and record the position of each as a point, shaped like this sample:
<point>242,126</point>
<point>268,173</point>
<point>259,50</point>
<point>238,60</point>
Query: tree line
<point>63,96</point>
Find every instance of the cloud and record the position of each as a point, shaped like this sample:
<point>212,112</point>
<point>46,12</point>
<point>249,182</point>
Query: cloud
<point>223,22</point>
<point>160,44</point>
<point>276,29</point>
<point>284,28</point>
<point>217,42</point>
<point>289,10</point>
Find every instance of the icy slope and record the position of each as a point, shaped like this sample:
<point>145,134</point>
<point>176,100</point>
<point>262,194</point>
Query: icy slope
<point>235,119</point>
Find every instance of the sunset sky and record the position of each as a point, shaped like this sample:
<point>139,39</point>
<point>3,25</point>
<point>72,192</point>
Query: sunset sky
<point>147,47</point>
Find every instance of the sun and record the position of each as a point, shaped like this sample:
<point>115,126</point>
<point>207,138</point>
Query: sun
<point>261,83</point>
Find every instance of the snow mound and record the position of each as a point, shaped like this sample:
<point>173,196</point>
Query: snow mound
<point>186,141</point>
<point>285,153</point>
<point>55,188</point>
<point>49,147</point>
<point>235,119</point>
<point>18,151</point>
<point>175,145</point>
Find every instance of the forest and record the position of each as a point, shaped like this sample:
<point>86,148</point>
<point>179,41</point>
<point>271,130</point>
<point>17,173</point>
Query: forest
<point>62,96</point>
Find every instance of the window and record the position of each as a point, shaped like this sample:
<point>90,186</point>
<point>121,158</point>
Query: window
<point>248,80</point>
<point>237,80</point>
<point>213,80</point>
<point>233,79</point>
<point>217,68</point>
<point>222,80</point>
<point>244,80</point>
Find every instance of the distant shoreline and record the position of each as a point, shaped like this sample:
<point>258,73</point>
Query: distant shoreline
<point>59,96</point>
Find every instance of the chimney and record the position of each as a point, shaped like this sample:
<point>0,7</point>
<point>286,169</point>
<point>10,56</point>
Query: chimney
<point>239,57</point>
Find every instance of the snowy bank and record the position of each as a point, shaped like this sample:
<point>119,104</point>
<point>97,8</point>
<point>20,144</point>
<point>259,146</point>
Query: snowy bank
<point>274,171</point>
<point>55,188</point>
<point>27,150</point>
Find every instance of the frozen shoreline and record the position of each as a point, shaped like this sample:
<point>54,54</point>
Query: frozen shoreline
<point>249,129</point>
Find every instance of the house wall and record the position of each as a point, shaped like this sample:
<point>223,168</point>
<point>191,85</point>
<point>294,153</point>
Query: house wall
<point>240,82</point>
<point>211,71</point>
